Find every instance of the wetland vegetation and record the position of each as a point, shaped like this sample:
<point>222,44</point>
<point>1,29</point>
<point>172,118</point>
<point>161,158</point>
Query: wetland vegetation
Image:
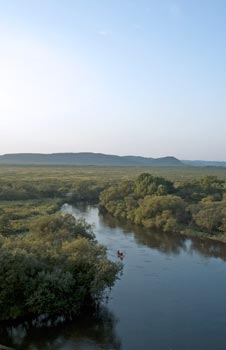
<point>197,206</point>
<point>51,262</point>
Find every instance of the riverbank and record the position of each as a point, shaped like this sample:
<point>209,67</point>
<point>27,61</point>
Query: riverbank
<point>165,277</point>
<point>165,206</point>
<point>189,232</point>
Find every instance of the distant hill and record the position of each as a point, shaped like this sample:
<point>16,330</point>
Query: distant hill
<point>98,159</point>
<point>204,163</point>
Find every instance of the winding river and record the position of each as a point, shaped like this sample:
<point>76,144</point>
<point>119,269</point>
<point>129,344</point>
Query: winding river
<point>171,296</point>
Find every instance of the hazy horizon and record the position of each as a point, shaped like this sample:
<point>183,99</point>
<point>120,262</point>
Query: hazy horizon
<point>143,78</point>
<point>111,154</point>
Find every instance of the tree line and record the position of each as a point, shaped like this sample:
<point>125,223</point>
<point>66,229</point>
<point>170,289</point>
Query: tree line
<point>160,204</point>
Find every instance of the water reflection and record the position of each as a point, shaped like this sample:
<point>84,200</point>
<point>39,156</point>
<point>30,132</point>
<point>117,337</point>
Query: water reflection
<point>94,330</point>
<point>167,243</point>
<point>172,293</point>
<point>171,296</point>
<point>164,242</point>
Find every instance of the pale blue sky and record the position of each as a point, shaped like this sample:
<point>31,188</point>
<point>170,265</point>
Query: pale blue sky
<point>114,76</point>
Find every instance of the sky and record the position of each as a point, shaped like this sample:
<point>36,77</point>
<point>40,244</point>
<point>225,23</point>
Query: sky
<point>126,77</point>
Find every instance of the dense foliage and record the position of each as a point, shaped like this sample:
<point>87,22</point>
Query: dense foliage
<point>157,203</point>
<point>51,263</point>
<point>49,188</point>
<point>54,268</point>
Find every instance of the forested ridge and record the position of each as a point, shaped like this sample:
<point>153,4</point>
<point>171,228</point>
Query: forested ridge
<point>87,158</point>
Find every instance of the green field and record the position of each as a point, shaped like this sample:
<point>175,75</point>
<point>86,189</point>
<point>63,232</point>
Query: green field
<point>72,173</point>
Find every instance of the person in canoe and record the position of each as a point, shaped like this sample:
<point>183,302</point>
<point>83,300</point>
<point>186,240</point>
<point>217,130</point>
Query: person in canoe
<point>120,255</point>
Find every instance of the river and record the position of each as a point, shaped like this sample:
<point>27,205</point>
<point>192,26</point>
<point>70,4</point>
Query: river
<point>171,296</point>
